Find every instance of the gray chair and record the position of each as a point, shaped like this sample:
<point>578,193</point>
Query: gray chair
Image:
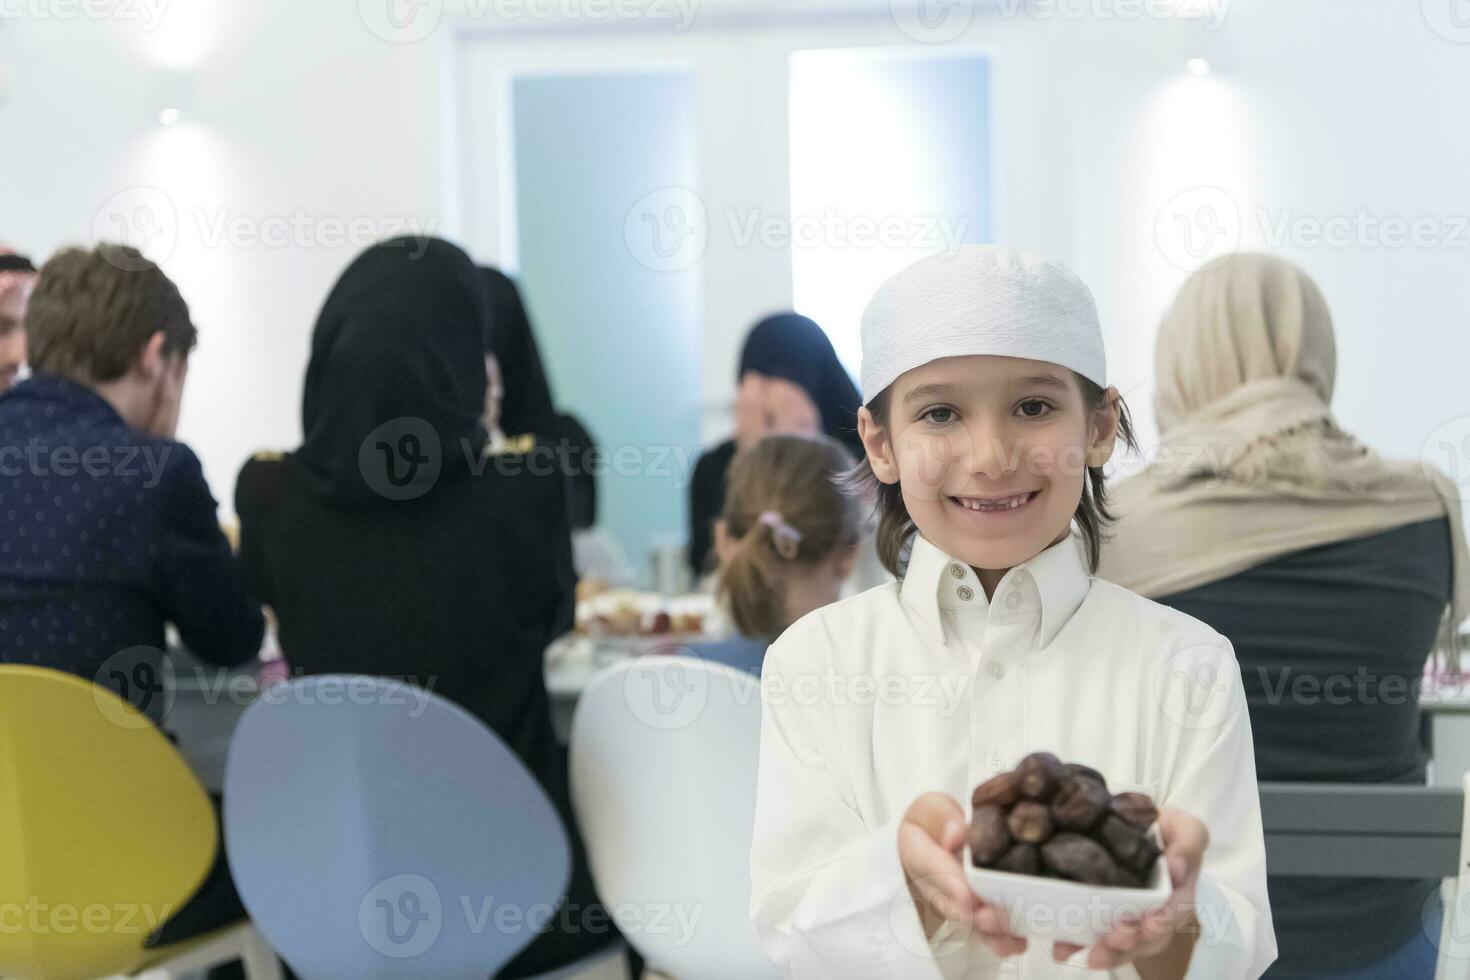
<point>1329,830</point>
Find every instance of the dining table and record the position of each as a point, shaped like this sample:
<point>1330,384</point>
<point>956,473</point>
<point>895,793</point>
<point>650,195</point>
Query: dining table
<point>203,703</point>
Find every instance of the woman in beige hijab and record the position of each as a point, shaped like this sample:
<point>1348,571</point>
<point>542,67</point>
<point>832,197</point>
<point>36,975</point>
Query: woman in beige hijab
<point>1333,572</point>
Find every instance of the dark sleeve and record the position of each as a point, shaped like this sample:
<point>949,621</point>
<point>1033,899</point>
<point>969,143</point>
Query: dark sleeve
<point>706,500</point>
<point>528,502</point>
<point>257,486</point>
<point>564,609</point>
<point>194,577</point>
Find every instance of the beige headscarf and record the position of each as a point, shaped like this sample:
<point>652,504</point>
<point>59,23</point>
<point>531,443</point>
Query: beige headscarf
<point>1252,465</point>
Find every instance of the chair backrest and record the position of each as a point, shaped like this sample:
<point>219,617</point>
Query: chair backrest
<point>104,831</point>
<point>663,765</point>
<point>1326,830</point>
<point>1333,830</point>
<point>376,830</point>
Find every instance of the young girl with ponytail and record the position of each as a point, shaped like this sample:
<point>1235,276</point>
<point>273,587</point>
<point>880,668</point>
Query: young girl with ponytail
<point>786,540</point>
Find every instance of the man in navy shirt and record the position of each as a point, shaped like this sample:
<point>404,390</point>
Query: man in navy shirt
<point>107,528</point>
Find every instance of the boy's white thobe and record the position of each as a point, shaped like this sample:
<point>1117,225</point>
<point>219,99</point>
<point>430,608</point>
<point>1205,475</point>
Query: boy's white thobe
<point>923,685</point>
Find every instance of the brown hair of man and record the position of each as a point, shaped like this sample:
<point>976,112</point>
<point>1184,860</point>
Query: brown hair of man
<point>93,311</point>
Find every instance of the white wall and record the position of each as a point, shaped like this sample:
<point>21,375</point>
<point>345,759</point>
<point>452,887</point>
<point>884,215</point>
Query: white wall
<point>1316,107</point>
<point>1315,111</point>
<point>300,114</point>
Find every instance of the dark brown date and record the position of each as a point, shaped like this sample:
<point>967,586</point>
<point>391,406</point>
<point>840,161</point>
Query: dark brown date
<point>1080,804</point>
<point>1132,848</point>
<point>989,837</point>
<point>1081,859</point>
<point>1136,808</point>
<point>1021,859</point>
<point>1041,776</point>
<point>1031,822</point>
<point>1087,772</point>
<point>1002,790</point>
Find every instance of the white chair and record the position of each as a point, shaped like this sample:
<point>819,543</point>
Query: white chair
<point>663,767</point>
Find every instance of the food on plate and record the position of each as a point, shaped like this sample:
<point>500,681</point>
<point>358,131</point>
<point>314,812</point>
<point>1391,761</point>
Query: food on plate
<point>1059,820</point>
<point>1080,858</point>
<point>640,614</point>
<point>1081,803</point>
<point>1136,808</point>
<point>1041,775</point>
<point>989,836</point>
<point>1021,859</point>
<point>1031,821</point>
<point>1004,790</point>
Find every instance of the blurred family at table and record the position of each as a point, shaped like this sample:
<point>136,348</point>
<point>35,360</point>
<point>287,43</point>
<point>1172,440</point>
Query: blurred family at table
<point>381,555</point>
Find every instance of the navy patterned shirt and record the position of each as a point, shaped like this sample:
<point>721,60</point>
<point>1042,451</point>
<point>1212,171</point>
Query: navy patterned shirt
<point>105,535</point>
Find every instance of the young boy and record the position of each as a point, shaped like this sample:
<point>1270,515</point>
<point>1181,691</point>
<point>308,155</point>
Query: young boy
<point>987,421</point>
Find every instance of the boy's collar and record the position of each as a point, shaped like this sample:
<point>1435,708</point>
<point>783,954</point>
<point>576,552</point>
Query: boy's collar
<point>935,581</point>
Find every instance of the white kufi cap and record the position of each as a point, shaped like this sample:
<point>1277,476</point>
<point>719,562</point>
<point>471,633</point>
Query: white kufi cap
<point>982,299</point>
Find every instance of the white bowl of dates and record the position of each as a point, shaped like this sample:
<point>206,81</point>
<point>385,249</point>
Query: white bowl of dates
<point>1062,856</point>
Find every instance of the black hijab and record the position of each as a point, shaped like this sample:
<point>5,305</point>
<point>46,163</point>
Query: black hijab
<point>396,384</point>
<point>793,347</point>
<point>526,405</point>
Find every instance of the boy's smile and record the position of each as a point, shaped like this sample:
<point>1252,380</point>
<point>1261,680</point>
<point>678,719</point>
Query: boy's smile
<point>999,506</point>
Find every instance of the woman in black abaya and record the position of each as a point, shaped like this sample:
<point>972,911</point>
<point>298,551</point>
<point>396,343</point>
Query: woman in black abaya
<point>389,545</point>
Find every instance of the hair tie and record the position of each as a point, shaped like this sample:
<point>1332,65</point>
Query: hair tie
<point>786,538</point>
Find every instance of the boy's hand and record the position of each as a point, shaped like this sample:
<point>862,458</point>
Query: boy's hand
<point>1160,943</point>
<point>929,843</point>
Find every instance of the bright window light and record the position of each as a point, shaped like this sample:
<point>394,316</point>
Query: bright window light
<point>890,162</point>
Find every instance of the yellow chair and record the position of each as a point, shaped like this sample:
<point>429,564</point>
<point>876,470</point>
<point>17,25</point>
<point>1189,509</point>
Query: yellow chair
<point>104,834</point>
